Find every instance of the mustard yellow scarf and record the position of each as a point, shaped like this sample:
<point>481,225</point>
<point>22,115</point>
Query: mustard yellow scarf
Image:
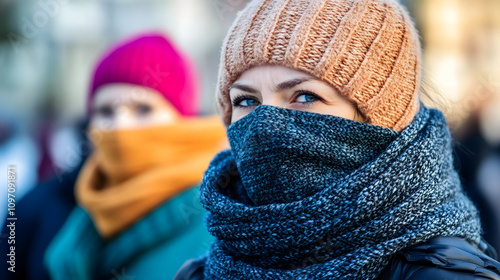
<point>131,172</point>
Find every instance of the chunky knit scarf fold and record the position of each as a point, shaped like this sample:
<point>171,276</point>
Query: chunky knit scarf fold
<point>133,171</point>
<point>309,196</point>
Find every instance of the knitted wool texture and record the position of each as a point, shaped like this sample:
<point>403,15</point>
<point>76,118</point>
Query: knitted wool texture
<point>153,61</point>
<point>350,223</point>
<point>367,49</point>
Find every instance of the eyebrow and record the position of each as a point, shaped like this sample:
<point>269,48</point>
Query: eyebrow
<point>243,88</point>
<point>291,83</point>
<point>280,87</point>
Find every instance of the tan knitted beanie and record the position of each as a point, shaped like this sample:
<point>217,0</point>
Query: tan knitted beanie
<point>368,50</point>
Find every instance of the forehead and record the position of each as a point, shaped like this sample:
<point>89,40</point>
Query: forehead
<point>125,93</point>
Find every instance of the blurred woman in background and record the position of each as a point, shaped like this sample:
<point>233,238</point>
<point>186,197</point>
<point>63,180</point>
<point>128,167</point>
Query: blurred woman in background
<point>137,213</point>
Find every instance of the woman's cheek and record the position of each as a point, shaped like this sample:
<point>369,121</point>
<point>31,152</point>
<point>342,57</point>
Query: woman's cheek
<point>238,114</point>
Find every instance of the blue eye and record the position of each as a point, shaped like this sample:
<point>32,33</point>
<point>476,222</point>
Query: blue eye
<point>306,98</point>
<point>245,102</point>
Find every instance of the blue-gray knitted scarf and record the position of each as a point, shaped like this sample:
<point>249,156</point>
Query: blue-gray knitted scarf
<point>309,196</point>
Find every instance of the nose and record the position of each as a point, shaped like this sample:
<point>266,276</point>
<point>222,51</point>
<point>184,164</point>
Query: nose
<point>123,118</point>
<point>273,98</point>
<point>120,118</point>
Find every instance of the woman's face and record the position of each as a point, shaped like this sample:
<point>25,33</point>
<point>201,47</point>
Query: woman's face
<point>126,106</point>
<point>280,86</point>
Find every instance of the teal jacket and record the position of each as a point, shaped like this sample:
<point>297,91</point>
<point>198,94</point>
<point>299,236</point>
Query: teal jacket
<point>153,248</point>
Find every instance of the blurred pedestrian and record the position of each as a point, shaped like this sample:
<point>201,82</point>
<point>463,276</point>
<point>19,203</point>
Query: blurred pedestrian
<point>336,170</point>
<point>137,213</point>
<point>478,162</point>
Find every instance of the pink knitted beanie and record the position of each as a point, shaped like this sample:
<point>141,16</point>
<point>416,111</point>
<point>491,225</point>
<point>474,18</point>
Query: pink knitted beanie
<point>368,50</point>
<point>152,61</point>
